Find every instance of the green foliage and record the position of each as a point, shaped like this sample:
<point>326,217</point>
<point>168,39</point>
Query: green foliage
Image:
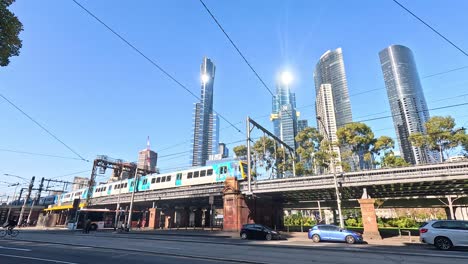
<point>308,145</point>
<point>240,151</point>
<point>389,160</point>
<point>353,222</point>
<point>298,220</point>
<point>359,138</point>
<point>10,27</point>
<point>440,135</point>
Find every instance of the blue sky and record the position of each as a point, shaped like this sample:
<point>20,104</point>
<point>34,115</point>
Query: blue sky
<point>101,97</point>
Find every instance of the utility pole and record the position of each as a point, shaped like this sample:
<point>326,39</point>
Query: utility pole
<point>36,200</point>
<point>135,186</point>
<point>117,210</point>
<point>12,200</point>
<point>20,220</point>
<point>19,197</point>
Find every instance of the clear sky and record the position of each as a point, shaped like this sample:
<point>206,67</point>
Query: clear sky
<point>100,97</point>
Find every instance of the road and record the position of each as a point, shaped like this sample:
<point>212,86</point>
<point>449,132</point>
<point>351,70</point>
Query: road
<point>71,248</point>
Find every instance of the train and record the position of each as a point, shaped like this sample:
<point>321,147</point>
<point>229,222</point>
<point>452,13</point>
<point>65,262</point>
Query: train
<point>213,173</point>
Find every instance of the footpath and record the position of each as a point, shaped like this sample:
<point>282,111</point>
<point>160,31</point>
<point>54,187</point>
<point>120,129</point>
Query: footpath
<point>289,238</point>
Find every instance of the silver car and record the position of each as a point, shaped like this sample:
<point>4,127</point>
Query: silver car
<point>445,234</point>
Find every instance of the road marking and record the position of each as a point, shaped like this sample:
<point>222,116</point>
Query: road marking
<point>40,259</point>
<point>18,249</point>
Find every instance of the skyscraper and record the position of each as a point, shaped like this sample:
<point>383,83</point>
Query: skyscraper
<point>147,159</point>
<point>407,102</point>
<point>330,70</point>
<point>206,122</point>
<point>327,121</point>
<point>284,115</point>
<point>301,125</point>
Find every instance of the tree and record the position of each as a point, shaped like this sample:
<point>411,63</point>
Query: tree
<point>240,151</point>
<point>440,136</point>
<point>10,27</point>
<point>359,138</point>
<point>389,160</point>
<point>308,145</point>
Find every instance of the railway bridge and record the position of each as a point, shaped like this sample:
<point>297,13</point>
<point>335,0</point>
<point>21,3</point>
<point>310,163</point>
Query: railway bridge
<point>415,186</point>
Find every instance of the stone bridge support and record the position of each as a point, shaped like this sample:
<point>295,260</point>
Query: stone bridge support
<point>239,209</point>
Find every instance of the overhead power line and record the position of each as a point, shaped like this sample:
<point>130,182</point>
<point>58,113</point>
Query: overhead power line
<point>151,61</point>
<point>39,154</point>
<point>432,109</point>
<point>235,47</point>
<point>43,128</point>
<point>429,26</point>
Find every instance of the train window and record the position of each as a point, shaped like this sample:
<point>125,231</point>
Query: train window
<point>209,172</point>
<point>131,184</point>
<point>223,170</point>
<point>125,186</point>
<point>203,173</point>
<point>145,181</point>
<point>168,178</point>
<point>163,179</point>
<point>158,180</point>
<point>179,176</point>
<point>189,175</point>
<point>153,180</point>
<point>105,188</point>
<point>195,174</point>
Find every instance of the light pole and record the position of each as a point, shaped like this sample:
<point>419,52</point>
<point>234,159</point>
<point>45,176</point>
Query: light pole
<point>13,199</point>
<point>332,164</point>
<point>135,186</point>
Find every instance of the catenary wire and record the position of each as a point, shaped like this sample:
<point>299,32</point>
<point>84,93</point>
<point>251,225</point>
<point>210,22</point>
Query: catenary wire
<point>429,26</point>
<point>39,154</point>
<point>42,127</point>
<point>151,61</point>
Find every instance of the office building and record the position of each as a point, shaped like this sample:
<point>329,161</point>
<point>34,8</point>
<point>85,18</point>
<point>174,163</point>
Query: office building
<point>327,121</point>
<point>330,69</point>
<point>301,125</point>
<point>79,183</point>
<point>284,114</point>
<point>407,102</point>
<point>206,122</point>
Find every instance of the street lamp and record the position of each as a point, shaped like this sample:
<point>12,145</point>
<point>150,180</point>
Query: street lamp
<point>332,164</point>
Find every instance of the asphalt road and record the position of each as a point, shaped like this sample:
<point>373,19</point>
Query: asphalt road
<point>70,248</point>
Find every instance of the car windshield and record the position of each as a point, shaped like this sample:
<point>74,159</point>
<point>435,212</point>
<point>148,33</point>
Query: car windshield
<point>267,228</point>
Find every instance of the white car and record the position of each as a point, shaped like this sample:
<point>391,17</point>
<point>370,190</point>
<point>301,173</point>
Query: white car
<point>444,234</point>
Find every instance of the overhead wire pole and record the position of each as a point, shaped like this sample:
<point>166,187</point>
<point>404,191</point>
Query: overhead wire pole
<point>20,220</point>
<point>335,180</point>
<point>35,201</point>
<point>135,186</point>
<point>13,199</point>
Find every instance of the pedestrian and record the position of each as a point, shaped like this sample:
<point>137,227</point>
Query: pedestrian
<point>139,224</point>
<point>87,226</point>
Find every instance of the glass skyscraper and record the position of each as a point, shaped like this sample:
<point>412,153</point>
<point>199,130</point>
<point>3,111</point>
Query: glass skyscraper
<point>330,70</point>
<point>205,122</point>
<point>407,102</point>
<point>284,115</point>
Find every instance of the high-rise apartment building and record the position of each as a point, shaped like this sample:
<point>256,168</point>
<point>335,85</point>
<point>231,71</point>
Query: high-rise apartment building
<point>330,69</point>
<point>407,102</point>
<point>284,115</point>
<point>206,122</point>
<point>302,124</point>
<point>327,121</point>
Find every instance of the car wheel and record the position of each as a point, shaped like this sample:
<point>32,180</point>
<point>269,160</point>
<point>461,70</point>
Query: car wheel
<point>268,237</point>
<point>93,227</point>
<point>244,236</point>
<point>316,238</point>
<point>443,243</point>
<point>350,239</point>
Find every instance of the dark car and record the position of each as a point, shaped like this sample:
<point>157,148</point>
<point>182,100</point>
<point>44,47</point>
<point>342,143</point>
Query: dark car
<point>255,231</point>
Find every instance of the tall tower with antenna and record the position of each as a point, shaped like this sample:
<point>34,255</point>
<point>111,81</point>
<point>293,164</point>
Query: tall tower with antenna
<point>147,159</point>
